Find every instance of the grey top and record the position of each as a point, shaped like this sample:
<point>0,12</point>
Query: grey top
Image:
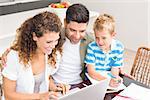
<point>39,78</point>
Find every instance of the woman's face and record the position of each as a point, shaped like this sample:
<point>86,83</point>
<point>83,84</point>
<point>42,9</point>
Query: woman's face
<point>47,42</point>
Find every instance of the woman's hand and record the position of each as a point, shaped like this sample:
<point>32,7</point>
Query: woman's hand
<point>49,96</point>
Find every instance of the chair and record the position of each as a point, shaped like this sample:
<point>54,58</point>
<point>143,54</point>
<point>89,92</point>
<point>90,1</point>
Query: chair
<point>141,66</point>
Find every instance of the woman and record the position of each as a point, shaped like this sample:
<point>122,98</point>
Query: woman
<point>26,75</point>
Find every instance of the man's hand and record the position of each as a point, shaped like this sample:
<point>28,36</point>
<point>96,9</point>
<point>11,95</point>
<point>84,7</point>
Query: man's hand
<point>4,57</point>
<point>63,88</point>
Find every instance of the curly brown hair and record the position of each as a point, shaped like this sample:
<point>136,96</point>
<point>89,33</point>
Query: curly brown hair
<point>39,24</point>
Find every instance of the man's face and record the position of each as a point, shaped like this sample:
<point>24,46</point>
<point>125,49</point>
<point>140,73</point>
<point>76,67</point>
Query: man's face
<point>75,31</point>
<point>104,39</point>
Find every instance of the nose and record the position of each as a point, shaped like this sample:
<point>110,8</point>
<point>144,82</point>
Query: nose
<point>100,42</point>
<point>77,35</point>
<point>52,45</point>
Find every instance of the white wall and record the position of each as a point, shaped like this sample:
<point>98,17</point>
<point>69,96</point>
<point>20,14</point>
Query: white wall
<point>131,19</point>
<point>149,23</point>
<point>9,23</point>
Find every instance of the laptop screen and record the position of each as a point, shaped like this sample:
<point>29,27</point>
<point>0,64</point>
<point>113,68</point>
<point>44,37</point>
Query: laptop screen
<point>95,91</point>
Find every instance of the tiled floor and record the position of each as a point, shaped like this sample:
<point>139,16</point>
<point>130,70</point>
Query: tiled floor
<point>128,60</point>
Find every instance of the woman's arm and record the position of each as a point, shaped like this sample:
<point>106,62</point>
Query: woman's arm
<point>10,93</point>
<point>92,73</point>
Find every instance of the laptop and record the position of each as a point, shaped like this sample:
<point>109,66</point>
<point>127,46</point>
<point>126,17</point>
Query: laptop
<point>95,91</point>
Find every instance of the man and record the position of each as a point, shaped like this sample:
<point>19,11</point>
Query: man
<point>74,47</point>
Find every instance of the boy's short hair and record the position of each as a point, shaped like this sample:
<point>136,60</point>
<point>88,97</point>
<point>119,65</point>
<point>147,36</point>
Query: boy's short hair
<point>78,13</point>
<point>105,22</point>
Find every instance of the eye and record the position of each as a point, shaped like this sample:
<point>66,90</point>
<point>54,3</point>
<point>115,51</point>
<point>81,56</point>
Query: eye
<point>49,42</point>
<point>103,38</point>
<point>82,31</point>
<point>97,38</point>
<point>72,30</point>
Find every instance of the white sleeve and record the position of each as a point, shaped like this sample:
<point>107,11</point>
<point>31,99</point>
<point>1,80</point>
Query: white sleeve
<point>10,71</point>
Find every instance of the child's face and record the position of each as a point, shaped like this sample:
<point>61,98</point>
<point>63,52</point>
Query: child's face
<point>104,39</point>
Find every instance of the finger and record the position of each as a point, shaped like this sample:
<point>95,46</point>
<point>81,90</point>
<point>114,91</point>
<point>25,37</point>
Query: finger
<point>63,88</point>
<point>53,95</point>
<point>67,88</point>
<point>3,62</point>
<point>59,89</point>
<point>4,57</point>
<point>7,51</point>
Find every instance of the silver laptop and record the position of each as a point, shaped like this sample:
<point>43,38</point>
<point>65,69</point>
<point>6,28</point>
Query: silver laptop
<point>95,91</point>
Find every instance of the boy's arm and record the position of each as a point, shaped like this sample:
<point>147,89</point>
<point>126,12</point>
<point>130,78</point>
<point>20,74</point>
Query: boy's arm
<point>115,71</point>
<point>92,73</point>
<point>114,82</point>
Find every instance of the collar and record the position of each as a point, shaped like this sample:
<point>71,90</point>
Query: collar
<point>113,44</point>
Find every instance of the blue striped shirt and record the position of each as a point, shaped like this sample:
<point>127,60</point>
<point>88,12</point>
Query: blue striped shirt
<point>105,61</point>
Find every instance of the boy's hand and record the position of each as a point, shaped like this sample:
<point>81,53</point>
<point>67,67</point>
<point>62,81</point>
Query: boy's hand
<point>115,82</point>
<point>4,57</point>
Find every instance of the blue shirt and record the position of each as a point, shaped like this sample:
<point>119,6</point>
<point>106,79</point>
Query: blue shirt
<point>105,61</point>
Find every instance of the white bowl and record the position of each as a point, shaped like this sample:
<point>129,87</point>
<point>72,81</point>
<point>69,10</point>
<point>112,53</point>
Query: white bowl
<point>59,11</point>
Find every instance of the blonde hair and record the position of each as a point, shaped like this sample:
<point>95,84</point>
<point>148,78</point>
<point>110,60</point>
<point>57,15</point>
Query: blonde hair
<point>105,22</point>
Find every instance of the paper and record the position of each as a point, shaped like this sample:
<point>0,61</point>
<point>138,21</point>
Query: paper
<point>111,89</point>
<point>134,92</point>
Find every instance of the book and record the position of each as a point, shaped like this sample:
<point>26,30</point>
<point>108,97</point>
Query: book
<point>133,92</point>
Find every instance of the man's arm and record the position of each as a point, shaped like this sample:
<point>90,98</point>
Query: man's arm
<point>63,88</point>
<point>4,57</point>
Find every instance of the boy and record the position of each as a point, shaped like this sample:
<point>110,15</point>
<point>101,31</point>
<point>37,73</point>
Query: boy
<point>105,54</point>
